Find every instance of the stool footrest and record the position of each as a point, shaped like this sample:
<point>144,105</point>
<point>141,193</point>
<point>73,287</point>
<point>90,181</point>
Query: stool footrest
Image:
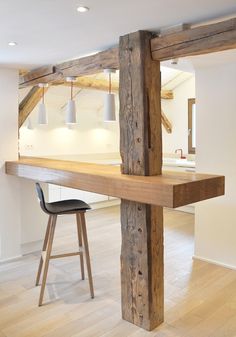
<point>58,256</point>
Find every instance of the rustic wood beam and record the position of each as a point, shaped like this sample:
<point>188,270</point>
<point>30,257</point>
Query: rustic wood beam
<point>196,41</point>
<point>79,67</point>
<point>200,40</point>
<point>45,74</point>
<point>90,64</point>
<point>141,152</point>
<point>166,122</point>
<point>92,83</point>
<point>29,102</point>
<point>103,85</point>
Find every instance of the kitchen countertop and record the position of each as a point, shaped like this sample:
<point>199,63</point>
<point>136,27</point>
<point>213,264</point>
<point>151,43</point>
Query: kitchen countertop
<point>114,159</point>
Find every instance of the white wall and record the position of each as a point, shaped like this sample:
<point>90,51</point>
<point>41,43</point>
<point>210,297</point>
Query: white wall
<point>91,135</point>
<point>9,186</point>
<point>33,219</point>
<point>215,228</point>
<point>177,112</point>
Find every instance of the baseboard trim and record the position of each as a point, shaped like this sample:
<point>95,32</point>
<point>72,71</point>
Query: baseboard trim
<point>9,259</point>
<point>31,247</point>
<point>225,265</point>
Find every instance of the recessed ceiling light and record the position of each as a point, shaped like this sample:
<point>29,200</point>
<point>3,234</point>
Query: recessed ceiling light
<point>12,43</point>
<point>82,9</point>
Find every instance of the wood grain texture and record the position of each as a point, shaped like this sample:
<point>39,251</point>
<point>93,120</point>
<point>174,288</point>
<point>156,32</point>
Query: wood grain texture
<point>86,82</point>
<point>171,189</point>
<point>79,67</point>
<point>200,40</point>
<point>166,122</point>
<point>29,102</point>
<point>40,74</point>
<point>142,268</point>
<point>140,108</point>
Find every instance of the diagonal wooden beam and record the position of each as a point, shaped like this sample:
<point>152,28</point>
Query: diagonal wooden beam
<point>29,102</point>
<point>166,122</point>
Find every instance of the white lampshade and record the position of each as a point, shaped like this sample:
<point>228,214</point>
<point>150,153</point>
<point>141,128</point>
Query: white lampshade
<point>71,112</point>
<point>109,108</point>
<point>42,114</point>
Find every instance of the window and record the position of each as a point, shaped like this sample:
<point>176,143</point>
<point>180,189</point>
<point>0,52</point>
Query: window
<point>191,125</point>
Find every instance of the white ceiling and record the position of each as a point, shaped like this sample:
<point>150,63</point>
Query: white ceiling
<point>51,31</point>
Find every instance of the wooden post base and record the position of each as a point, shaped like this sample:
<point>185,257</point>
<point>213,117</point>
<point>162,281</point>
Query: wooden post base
<point>142,264</point>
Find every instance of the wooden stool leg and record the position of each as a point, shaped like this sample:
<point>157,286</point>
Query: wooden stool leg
<point>80,245</point>
<point>43,250</point>
<point>47,257</point>
<point>86,248</point>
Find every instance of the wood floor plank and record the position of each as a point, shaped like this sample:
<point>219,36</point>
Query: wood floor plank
<point>200,298</point>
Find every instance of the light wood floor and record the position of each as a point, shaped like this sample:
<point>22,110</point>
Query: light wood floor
<point>200,298</point>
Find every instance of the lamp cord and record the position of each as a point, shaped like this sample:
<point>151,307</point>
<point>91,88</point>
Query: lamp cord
<point>71,91</point>
<point>43,94</point>
<point>109,83</point>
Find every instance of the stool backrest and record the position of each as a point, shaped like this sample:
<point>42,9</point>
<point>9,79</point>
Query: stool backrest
<point>41,197</point>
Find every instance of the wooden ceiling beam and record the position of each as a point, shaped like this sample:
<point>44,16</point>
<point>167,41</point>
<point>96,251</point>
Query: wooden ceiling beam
<point>195,41</point>
<point>79,67</point>
<point>103,85</point>
<point>91,83</point>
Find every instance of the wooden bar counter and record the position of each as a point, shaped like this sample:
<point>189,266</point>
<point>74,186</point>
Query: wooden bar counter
<point>170,189</point>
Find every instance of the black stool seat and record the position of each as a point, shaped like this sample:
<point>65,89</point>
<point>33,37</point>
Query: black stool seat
<point>61,207</point>
<point>66,206</point>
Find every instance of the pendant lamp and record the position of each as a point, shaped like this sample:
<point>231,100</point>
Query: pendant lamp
<point>29,124</point>
<point>109,103</point>
<point>71,108</point>
<point>42,113</point>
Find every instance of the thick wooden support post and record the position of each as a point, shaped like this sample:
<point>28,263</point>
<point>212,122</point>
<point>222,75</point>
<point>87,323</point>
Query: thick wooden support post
<point>141,152</point>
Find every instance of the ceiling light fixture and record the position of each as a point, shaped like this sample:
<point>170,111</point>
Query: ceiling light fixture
<point>12,43</point>
<point>109,104</point>
<point>42,113</point>
<point>82,9</point>
<point>71,108</point>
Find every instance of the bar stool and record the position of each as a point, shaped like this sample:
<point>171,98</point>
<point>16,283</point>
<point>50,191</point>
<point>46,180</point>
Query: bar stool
<point>53,209</point>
